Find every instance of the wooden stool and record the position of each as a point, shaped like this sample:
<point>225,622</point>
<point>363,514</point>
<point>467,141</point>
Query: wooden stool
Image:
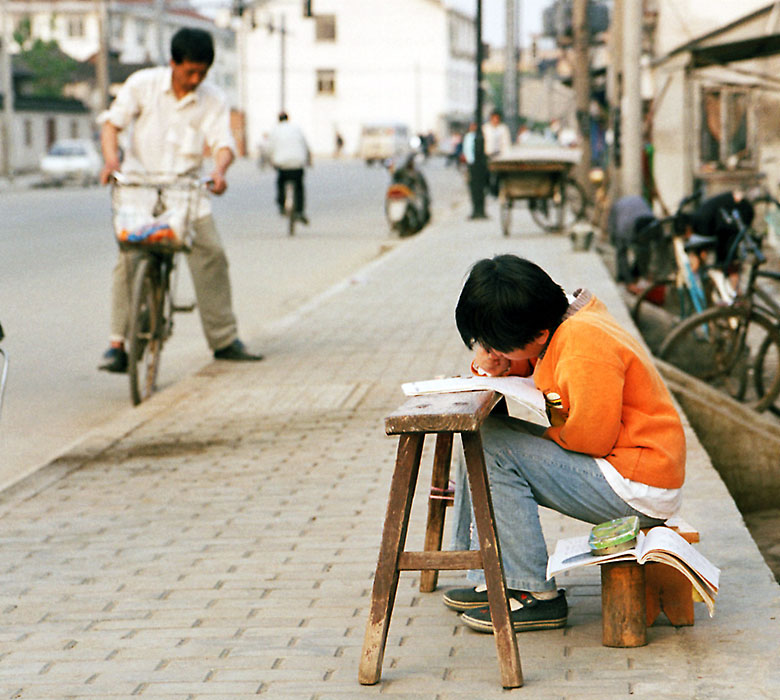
<point>633,595</point>
<point>444,415</point>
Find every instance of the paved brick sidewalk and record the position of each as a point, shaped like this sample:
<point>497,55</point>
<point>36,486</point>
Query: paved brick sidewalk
<point>220,540</point>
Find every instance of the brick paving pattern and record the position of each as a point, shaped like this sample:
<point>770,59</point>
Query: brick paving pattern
<point>220,540</point>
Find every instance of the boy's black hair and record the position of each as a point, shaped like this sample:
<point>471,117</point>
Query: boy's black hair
<point>194,45</point>
<point>506,302</point>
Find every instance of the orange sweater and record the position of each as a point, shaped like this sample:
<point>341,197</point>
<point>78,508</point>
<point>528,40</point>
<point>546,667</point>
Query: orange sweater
<point>606,399</point>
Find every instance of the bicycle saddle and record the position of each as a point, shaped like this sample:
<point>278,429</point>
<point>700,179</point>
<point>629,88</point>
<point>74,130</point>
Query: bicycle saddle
<point>697,242</point>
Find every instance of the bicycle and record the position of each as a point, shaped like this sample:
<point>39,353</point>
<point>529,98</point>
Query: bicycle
<point>289,206</point>
<point>677,290</point>
<point>734,346</point>
<point>156,225</point>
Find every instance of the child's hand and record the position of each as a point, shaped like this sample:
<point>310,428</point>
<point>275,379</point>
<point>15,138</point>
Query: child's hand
<point>488,363</point>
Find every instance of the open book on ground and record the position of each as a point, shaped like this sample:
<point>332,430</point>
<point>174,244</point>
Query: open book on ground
<point>524,400</point>
<point>660,544</point>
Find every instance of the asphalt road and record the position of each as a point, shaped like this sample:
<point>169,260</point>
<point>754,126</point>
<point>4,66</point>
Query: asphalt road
<point>56,256</point>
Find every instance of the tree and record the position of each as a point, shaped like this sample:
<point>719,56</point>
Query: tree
<point>51,68</point>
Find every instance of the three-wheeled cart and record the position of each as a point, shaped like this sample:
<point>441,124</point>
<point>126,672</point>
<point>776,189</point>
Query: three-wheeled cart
<point>540,175</point>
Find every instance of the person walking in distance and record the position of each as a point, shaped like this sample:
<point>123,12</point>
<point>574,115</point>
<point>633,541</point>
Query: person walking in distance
<point>171,115</point>
<point>289,155</point>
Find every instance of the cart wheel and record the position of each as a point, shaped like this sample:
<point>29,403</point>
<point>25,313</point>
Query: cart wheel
<point>506,216</point>
<point>562,209</point>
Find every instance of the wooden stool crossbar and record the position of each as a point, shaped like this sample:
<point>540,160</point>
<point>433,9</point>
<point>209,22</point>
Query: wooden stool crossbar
<point>442,415</point>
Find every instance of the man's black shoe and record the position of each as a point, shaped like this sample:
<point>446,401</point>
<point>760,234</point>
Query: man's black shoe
<point>236,351</point>
<point>302,218</point>
<point>526,613</point>
<point>114,360</point>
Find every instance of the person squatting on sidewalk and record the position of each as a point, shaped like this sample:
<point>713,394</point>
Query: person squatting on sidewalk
<point>615,446</point>
<point>172,115</point>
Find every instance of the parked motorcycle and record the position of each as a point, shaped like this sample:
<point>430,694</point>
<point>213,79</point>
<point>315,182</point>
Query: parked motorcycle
<point>407,201</point>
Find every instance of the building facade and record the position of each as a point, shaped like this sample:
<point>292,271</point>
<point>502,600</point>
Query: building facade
<point>356,63</point>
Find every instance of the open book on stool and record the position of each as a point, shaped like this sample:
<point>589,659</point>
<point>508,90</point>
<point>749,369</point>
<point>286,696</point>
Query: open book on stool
<point>660,544</point>
<point>523,399</point>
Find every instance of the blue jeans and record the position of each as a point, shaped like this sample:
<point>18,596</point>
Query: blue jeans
<point>526,471</point>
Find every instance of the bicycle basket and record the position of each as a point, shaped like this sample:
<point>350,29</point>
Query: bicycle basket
<point>154,215</point>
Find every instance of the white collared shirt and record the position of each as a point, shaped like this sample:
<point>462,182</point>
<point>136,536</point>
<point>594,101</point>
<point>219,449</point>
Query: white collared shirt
<point>166,134</point>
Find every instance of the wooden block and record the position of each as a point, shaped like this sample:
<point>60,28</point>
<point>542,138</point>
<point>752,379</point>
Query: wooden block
<point>623,605</point>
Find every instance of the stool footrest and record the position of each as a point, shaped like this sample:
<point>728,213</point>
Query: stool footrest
<point>443,561</point>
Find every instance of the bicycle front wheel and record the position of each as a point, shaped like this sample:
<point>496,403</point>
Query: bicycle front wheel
<point>146,329</point>
<point>722,346</point>
<point>562,209</point>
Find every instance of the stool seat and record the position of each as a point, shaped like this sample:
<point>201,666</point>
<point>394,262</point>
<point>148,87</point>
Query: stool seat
<point>442,415</point>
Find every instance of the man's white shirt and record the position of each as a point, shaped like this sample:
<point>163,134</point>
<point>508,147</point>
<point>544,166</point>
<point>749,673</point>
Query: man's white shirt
<point>166,134</point>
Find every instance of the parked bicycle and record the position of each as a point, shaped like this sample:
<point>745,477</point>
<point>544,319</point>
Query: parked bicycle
<point>153,217</point>
<point>735,345</point>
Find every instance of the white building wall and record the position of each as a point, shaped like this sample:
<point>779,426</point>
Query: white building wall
<point>391,61</point>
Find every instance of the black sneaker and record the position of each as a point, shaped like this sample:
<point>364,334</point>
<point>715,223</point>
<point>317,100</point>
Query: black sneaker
<point>236,351</point>
<point>462,599</point>
<point>526,612</point>
<point>114,360</point>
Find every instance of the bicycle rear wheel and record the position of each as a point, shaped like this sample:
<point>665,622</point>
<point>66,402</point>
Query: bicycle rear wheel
<point>146,329</point>
<point>289,207</point>
<point>722,346</point>
<point>767,369</point>
<point>562,209</point>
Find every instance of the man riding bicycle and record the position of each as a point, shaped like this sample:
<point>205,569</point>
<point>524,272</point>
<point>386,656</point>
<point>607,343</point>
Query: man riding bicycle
<point>174,115</point>
<point>289,155</point>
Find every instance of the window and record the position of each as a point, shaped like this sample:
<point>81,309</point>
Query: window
<point>140,31</point>
<point>325,28</point>
<point>726,128</point>
<point>74,129</point>
<point>76,26</point>
<point>28,132</point>
<point>326,82</point>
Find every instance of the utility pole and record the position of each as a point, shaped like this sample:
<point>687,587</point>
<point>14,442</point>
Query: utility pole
<point>101,58</point>
<point>159,25</point>
<point>631,104</point>
<point>581,80</point>
<point>510,68</point>
<point>479,168</point>
<point>8,91</point>
<point>614,70</point>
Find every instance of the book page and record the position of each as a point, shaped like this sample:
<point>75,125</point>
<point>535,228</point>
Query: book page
<point>706,593</point>
<point>665,540</point>
<point>574,551</point>
<point>519,389</point>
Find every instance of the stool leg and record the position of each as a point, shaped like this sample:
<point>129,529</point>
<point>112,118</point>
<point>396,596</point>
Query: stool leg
<point>437,507</point>
<point>669,590</point>
<point>623,612</point>
<point>399,505</point>
<point>506,641</point>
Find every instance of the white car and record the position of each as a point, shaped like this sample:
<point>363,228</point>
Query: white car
<point>76,160</point>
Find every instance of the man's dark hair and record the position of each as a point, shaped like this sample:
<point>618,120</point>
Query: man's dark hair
<point>506,302</point>
<point>283,116</point>
<point>194,45</point>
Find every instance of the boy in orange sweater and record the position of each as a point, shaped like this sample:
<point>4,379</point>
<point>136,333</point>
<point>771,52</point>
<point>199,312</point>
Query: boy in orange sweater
<point>615,445</point>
